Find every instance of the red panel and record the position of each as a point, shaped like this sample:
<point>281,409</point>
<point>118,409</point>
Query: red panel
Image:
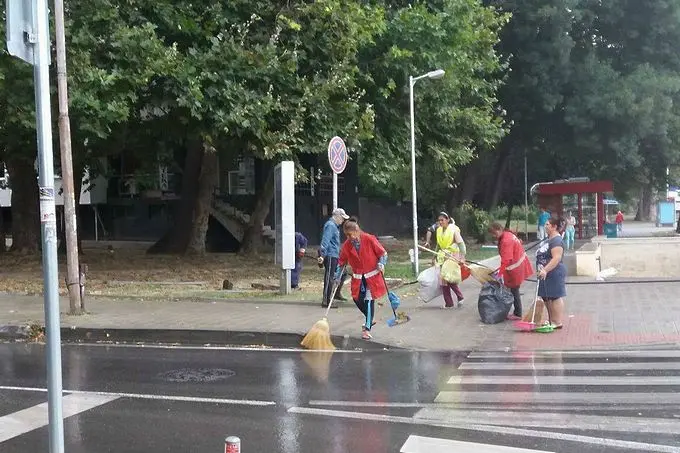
<point>601,214</point>
<point>575,187</point>
<point>580,217</point>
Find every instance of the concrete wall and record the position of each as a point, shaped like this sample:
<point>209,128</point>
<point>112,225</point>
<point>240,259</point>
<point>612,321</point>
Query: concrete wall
<point>641,257</point>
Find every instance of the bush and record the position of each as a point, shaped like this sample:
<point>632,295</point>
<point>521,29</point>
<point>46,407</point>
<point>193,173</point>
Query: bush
<point>473,222</point>
<point>500,214</point>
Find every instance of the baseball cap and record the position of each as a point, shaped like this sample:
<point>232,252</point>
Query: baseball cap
<point>341,213</point>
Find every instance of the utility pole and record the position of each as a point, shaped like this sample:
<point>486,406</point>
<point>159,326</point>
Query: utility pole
<point>70,219</point>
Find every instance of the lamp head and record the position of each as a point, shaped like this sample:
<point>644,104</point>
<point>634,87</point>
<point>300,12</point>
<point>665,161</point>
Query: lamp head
<point>437,74</point>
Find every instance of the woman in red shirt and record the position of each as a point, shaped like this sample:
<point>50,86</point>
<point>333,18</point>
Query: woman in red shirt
<point>515,265</point>
<point>367,258</point>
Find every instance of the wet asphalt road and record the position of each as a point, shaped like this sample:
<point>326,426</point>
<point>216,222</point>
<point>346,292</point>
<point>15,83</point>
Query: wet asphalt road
<point>188,400</point>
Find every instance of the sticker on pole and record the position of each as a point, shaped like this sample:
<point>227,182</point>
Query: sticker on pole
<point>337,155</point>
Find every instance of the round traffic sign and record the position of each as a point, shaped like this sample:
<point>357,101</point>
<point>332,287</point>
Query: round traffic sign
<point>337,155</point>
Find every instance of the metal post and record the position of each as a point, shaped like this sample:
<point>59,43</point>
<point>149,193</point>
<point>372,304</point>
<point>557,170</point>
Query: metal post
<point>335,191</point>
<point>96,226</point>
<point>414,194</point>
<point>526,199</point>
<point>49,229</point>
<point>232,444</point>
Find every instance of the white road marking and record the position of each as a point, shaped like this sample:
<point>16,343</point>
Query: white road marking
<point>600,441</point>
<point>565,380</point>
<point>35,417</point>
<point>420,444</point>
<point>553,420</point>
<point>191,399</point>
<point>506,405</point>
<point>585,366</point>
<point>557,397</point>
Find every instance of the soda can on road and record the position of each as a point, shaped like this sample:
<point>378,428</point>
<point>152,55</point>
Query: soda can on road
<point>232,444</point>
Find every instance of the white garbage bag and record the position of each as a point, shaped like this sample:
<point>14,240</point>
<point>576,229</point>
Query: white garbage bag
<point>430,285</point>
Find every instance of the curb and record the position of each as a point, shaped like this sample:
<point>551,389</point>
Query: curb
<point>176,337</point>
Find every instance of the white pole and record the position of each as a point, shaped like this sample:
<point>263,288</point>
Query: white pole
<point>414,195</point>
<point>335,191</point>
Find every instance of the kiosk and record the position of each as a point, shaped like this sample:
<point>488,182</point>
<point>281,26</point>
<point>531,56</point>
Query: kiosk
<point>584,198</point>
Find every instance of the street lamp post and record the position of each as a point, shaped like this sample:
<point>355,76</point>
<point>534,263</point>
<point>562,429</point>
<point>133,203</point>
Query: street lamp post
<point>439,73</point>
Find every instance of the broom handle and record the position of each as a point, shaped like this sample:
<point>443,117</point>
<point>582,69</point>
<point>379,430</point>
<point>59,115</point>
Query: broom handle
<point>335,289</point>
<point>533,316</point>
<point>449,255</point>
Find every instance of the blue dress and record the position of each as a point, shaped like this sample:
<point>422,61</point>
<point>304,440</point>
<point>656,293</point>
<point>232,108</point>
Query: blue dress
<point>554,285</point>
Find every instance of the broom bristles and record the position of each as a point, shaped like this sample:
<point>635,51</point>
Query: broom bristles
<point>482,275</point>
<point>538,305</point>
<point>319,336</point>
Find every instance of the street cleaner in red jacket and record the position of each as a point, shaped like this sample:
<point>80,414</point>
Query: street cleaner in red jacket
<point>515,265</point>
<point>367,258</point>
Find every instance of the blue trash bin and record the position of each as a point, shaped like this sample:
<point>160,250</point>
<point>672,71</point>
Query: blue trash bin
<point>610,230</point>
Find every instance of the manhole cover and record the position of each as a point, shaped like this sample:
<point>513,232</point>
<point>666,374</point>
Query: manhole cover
<point>197,375</point>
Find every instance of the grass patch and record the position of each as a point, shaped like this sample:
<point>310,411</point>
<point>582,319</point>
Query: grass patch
<point>131,273</point>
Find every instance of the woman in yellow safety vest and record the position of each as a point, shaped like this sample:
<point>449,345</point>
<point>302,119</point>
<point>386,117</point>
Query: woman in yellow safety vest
<point>450,244</point>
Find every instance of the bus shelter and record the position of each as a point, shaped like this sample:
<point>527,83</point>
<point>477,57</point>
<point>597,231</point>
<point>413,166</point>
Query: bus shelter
<point>585,199</point>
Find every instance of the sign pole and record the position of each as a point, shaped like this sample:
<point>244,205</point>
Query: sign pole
<point>335,191</point>
<point>48,224</point>
<point>28,38</point>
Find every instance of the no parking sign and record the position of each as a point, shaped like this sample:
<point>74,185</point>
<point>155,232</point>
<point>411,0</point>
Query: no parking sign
<point>337,155</point>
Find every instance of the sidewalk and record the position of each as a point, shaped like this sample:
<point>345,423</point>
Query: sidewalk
<point>600,315</point>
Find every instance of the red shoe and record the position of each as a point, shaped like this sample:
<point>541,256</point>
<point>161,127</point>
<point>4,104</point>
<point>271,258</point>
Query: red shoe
<point>513,317</point>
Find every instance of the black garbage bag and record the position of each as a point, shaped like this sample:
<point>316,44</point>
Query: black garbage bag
<point>494,303</point>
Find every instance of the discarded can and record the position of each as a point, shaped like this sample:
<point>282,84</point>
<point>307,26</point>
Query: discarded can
<point>232,444</point>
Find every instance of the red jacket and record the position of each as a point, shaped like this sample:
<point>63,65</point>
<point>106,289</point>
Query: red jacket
<point>515,265</point>
<point>364,263</point>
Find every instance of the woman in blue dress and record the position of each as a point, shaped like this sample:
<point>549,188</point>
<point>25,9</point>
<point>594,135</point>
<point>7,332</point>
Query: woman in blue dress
<point>552,273</point>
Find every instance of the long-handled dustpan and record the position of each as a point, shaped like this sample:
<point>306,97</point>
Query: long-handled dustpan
<point>399,317</point>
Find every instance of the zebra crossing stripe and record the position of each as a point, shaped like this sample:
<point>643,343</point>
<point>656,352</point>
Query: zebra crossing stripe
<point>518,355</point>
<point>506,430</point>
<point>565,380</point>
<point>557,397</point>
<point>420,444</point>
<point>576,366</point>
<point>553,420</point>
<point>35,417</point>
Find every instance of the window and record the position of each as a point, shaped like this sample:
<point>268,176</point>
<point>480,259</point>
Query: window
<point>242,181</point>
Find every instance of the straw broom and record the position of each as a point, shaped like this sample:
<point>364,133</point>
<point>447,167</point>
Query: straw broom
<point>319,336</point>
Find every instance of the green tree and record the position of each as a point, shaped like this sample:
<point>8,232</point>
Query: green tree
<point>267,79</point>
<point>457,117</point>
<point>110,58</point>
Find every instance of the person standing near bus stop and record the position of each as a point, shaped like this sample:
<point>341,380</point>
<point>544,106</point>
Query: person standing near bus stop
<point>329,252</point>
<point>543,217</point>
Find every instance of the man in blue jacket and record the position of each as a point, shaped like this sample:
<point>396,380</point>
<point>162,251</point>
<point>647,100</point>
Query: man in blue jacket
<point>329,252</point>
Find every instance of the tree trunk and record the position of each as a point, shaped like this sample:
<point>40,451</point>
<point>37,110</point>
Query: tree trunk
<point>252,238</point>
<point>3,234</point>
<point>467,187</point>
<point>498,181</point>
<point>644,213</point>
<point>25,217</point>
<point>203,202</point>
<point>176,240</point>
<point>509,217</point>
